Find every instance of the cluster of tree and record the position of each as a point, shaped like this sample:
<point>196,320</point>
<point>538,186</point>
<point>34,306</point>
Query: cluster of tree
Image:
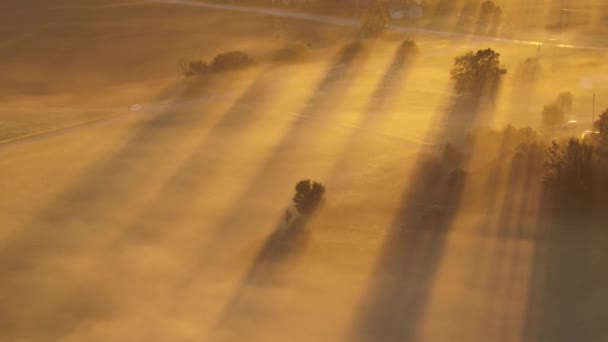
<point>577,170</point>
<point>222,62</point>
<point>477,73</point>
<point>573,173</point>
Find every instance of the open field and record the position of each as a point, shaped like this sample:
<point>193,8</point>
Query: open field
<point>167,224</point>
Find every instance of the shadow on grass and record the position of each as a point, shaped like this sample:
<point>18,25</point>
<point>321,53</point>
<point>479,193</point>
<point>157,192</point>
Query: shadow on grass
<point>267,185</point>
<point>236,128</point>
<point>62,228</point>
<point>250,302</point>
<point>404,273</point>
<point>567,291</point>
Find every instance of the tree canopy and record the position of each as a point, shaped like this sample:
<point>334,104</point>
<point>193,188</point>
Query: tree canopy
<point>477,72</point>
<point>309,195</point>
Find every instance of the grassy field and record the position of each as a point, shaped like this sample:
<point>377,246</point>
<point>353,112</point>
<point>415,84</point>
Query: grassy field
<point>169,225</point>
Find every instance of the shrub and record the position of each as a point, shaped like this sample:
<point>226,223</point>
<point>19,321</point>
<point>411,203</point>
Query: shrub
<point>230,61</point>
<point>194,68</point>
<point>309,195</point>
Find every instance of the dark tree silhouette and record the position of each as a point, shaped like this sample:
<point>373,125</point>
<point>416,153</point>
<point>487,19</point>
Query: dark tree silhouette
<point>477,72</point>
<point>570,171</point>
<point>309,195</point>
<point>601,126</point>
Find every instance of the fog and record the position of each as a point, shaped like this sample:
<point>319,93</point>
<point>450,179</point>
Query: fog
<point>173,220</point>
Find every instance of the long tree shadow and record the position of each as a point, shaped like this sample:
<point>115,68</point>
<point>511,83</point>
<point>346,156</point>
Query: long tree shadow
<point>567,289</point>
<point>251,303</point>
<point>105,180</point>
<point>508,224</point>
<point>62,227</point>
<point>266,186</point>
<point>377,110</point>
<point>403,276</point>
<point>176,198</point>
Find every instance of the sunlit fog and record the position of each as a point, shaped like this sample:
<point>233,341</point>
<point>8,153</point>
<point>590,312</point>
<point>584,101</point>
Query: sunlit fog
<point>303,170</point>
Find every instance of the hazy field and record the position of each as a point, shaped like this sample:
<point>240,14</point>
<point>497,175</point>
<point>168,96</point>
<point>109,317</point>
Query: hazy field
<point>165,224</point>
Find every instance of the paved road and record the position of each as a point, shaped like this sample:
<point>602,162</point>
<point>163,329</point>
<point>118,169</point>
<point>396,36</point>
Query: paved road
<point>354,23</point>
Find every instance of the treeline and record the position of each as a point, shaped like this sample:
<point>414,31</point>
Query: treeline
<point>571,173</point>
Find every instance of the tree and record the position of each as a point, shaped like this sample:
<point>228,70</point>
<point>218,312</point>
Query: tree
<point>477,72</point>
<point>374,20</point>
<point>309,195</point>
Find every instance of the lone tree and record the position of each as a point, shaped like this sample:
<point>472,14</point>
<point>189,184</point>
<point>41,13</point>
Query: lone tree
<point>374,20</point>
<point>309,195</point>
<point>477,72</point>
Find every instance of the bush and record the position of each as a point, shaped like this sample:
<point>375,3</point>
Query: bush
<point>230,61</point>
<point>476,72</point>
<point>194,68</point>
<point>308,197</point>
<point>293,52</point>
